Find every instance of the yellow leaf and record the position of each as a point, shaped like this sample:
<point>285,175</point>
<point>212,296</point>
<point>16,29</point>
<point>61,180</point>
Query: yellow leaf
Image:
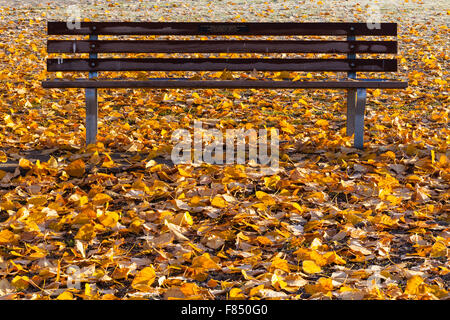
<point>144,279</point>
<point>86,232</point>
<point>265,198</point>
<point>20,283</point>
<point>108,162</point>
<point>109,219</point>
<point>100,199</point>
<point>95,158</point>
<point>326,284</point>
<point>388,154</point>
<point>76,168</point>
<point>236,172</point>
<point>254,291</point>
<point>310,266</point>
<point>277,281</point>
<point>439,249</point>
<point>317,196</point>
<point>437,291</point>
<point>322,123</point>
<point>120,273</point>
<point>283,75</point>
<point>204,261</point>
<point>413,285</point>
<point>189,289</point>
<point>236,294</point>
<point>24,163</point>
<point>195,201</point>
<point>226,75</point>
<point>52,163</point>
<point>287,127</point>
<point>218,202</point>
<point>8,120</point>
<point>184,173</point>
<point>140,185</point>
<point>323,285</point>
<point>443,161</point>
<point>387,220</point>
<point>37,201</point>
<point>212,283</point>
<point>183,219</point>
<point>271,182</point>
<point>66,295</point>
<point>88,290</point>
<point>281,264</point>
<point>7,237</point>
<point>264,241</point>
<point>303,102</point>
<point>412,178</point>
<point>296,206</point>
<point>7,205</point>
<point>3,157</point>
<point>307,254</point>
<point>176,230</point>
<point>333,257</point>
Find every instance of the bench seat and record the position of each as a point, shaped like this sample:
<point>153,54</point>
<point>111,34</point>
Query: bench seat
<point>227,84</point>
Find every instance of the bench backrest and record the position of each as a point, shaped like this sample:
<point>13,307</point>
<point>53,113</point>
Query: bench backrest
<point>350,46</point>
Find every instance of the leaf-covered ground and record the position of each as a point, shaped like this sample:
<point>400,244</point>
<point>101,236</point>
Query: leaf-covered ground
<point>334,222</point>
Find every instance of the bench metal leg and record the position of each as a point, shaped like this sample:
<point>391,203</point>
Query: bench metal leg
<point>359,117</point>
<point>351,106</point>
<point>91,104</point>
<point>91,116</point>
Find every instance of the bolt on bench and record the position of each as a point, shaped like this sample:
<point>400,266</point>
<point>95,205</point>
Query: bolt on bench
<point>356,88</point>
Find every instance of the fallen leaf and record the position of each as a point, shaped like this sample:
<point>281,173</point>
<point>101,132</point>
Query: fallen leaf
<point>310,266</point>
<point>144,279</point>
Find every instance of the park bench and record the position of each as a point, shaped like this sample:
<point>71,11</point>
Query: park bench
<point>217,43</point>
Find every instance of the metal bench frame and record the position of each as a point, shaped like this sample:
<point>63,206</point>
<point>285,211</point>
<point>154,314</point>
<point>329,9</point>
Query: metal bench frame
<point>356,88</point>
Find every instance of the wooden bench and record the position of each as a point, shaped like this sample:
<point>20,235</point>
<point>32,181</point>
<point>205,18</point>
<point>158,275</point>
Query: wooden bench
<point>356,88</point>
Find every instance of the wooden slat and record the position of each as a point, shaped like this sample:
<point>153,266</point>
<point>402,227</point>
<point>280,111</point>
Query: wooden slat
<point>218,46</point>
<point>219,64</point>
<point>222,84</point>
<point>221,28</point>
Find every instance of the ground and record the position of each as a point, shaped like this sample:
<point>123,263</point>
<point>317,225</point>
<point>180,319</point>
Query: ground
<point>118,220</point>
